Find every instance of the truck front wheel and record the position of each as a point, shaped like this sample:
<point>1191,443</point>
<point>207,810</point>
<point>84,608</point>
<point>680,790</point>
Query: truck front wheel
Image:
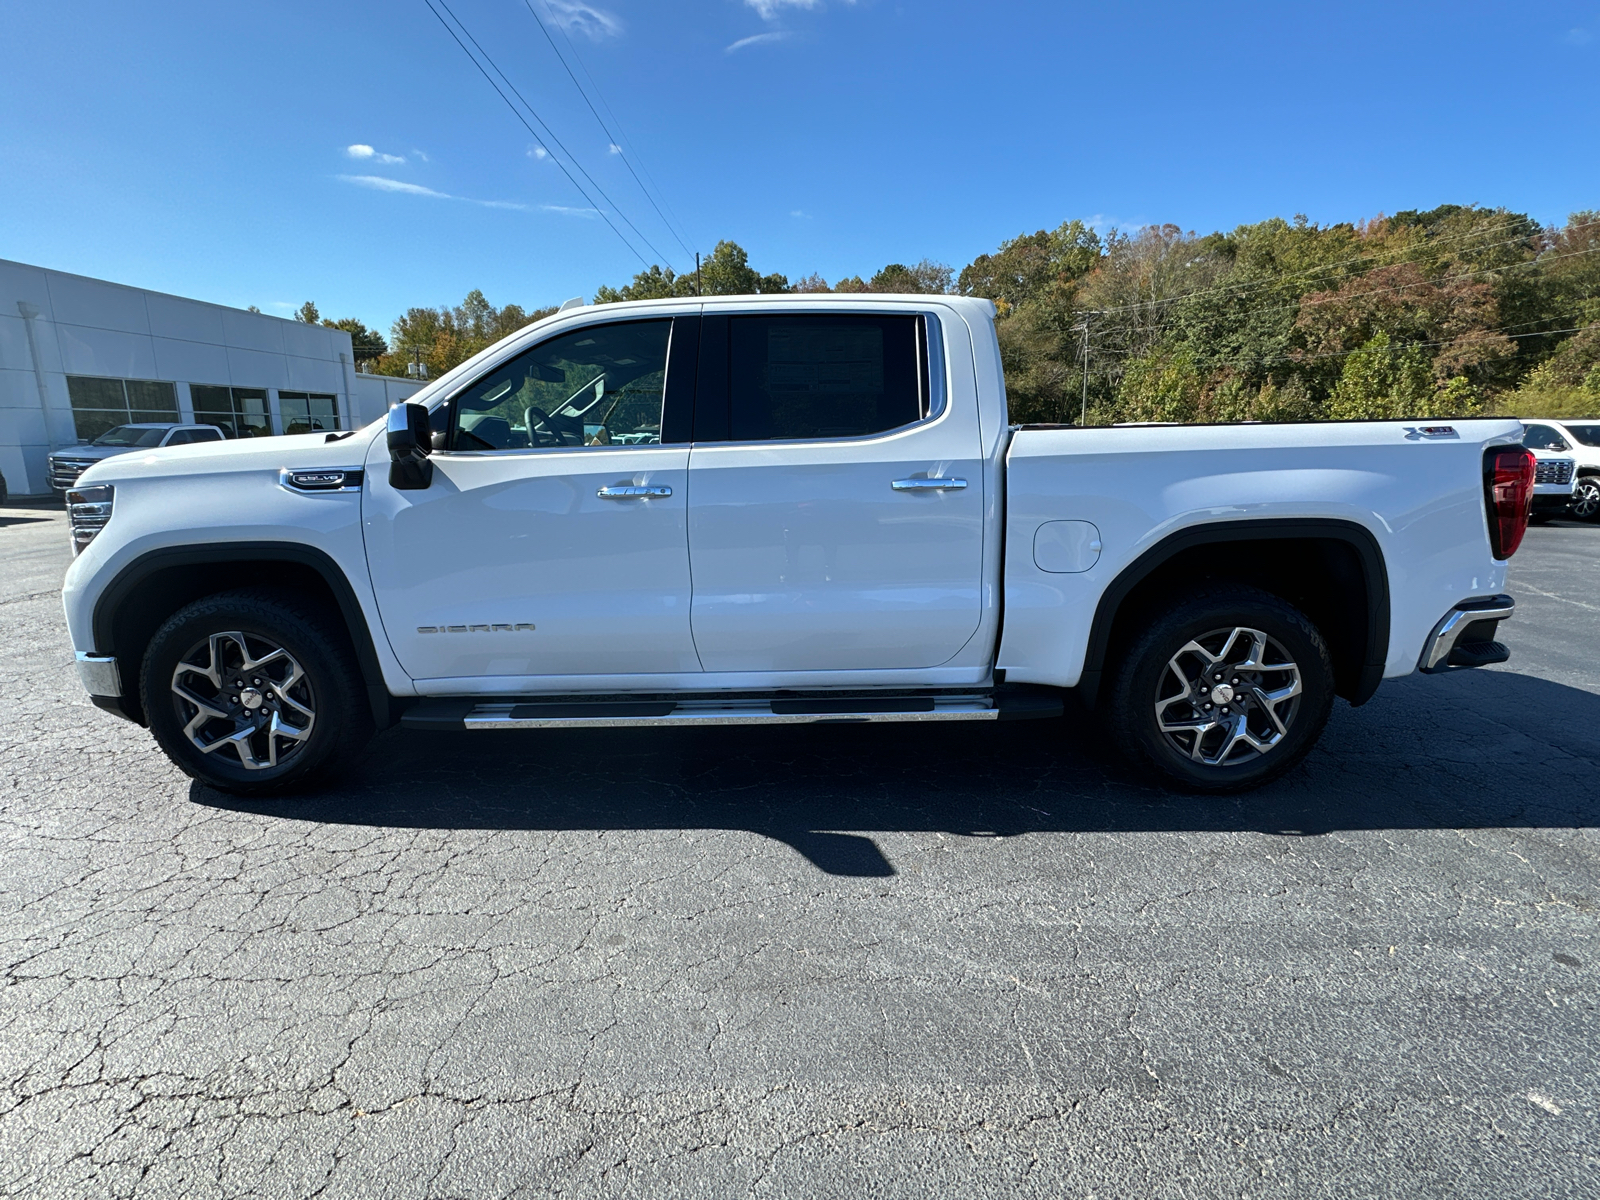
<point>253,692</point>
<point>1223,691</point>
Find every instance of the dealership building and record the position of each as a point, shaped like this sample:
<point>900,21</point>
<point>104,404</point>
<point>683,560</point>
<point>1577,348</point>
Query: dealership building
<point>79,356</point>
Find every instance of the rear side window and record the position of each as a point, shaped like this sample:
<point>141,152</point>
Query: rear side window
<point>1589,435</point>
<point>820,376</point>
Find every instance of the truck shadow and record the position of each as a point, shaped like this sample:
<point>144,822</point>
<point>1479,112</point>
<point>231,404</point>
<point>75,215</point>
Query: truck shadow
<point>1473,750</point>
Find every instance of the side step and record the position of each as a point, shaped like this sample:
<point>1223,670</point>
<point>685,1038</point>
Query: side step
<point>469,713</point>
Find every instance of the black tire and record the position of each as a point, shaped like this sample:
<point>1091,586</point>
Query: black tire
<point>301,712</point>
<point>1219,759</point>
<point>1586,499</point>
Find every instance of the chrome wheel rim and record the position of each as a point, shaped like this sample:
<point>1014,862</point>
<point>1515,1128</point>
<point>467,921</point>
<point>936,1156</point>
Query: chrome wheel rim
<point>244,694</point>
<point>1227,697</point>
<point>1586,501</point>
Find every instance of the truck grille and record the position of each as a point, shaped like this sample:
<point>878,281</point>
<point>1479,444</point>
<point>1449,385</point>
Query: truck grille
<point>64,472</point>
<point>1552,471</point>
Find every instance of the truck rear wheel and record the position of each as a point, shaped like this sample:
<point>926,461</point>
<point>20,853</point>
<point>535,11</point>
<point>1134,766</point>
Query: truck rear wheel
<point>1222,692</point>
<point>254,692</point>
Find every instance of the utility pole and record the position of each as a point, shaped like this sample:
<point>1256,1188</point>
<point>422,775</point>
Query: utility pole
<point>1083,418</point>
<point>417,369</point>
<point>697,272</point>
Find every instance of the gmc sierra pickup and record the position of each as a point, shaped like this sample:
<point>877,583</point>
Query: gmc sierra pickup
<point>756,510</point>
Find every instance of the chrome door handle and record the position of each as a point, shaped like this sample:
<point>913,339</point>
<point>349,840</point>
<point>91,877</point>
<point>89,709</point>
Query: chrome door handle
<point>631,493</point>
<point>928,485</point>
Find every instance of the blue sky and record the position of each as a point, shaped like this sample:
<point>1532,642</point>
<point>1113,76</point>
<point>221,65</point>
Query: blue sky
<point>205,149</point>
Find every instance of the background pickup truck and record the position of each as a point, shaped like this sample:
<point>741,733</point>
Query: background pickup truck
<point>781,509</point>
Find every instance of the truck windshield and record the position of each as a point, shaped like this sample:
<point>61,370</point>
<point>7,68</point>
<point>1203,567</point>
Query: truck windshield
<point>1589,435</point>
<point>131,435</point>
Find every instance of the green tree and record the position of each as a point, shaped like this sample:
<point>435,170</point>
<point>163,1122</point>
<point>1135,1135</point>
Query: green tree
<point>308,314</point>
<point>1381,382</point>
<point>367,345</point>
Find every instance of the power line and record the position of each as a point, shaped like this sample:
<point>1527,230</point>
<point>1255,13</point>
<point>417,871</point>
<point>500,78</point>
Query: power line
<point>643,165</point>
<point>1400,252</point>
<point>1399,287</point>
<point>552,134</point>
<point>549,133</point>
<point>610,138</point>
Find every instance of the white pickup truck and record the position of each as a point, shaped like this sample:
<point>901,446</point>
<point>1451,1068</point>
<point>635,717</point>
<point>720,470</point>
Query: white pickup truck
<point>757,510</point>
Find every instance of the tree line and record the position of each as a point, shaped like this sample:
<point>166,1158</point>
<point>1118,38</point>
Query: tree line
<point>1458,311</point>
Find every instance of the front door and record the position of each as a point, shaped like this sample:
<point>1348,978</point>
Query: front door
<point>552,540</point>
<point>835,506</point>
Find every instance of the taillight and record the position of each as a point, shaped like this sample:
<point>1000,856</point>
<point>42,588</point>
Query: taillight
<point>1508,493</point>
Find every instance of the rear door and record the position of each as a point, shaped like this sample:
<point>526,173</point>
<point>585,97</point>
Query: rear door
<point>835,500</point>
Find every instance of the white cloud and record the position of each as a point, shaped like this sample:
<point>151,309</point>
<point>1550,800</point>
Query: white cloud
<point>1579,37</point>
<point>565,211</point>
<point>759,39</point>
<point>538,152</point>
<point>574,17</point>
<point>379,184</point>
<point>804,216</point>
<point>769,10</point>
<point>367,154</point>
<point>616,149</point>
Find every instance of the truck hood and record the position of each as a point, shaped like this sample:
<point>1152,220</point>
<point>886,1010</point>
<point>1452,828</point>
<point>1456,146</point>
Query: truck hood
<point>84,451</point>
<point>302,450</point>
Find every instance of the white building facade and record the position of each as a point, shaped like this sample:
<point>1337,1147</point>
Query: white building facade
<point>80,355</point>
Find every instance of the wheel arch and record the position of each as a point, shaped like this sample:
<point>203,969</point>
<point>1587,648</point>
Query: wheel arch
<point>1332,569</point>
<point>156,584</point>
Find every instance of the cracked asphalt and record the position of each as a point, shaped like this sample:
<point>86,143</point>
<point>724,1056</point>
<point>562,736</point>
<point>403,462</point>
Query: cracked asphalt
<point>896,961</point>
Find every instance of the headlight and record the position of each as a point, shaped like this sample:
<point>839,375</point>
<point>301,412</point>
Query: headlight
<point>88,510</point>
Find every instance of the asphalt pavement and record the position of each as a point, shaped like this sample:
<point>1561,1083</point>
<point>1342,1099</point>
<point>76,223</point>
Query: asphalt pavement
<point>814,962</point>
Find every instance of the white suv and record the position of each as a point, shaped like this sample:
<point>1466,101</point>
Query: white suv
<point>1580,441</point>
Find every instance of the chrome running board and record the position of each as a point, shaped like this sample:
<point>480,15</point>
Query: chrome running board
<point>466,713</point>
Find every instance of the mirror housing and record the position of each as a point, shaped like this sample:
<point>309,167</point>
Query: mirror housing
<point>410,443</point>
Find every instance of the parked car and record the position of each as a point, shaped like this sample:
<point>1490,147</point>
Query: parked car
<point>1581,440</point>
<point>66,465</point>
<point>829,520</point>
<point>1555,475</point>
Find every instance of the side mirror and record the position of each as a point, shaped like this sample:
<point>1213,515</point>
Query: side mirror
<point>410,443</point>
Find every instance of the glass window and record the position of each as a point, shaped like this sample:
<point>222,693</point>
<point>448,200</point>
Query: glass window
<point>823,376</point>
<point>102,404</point>
<point>186,437</point>
<point>1589,435</point>
<point>308,412</point>
<point>597,386</point>
<point>131,436</point>
<point>1543,437</point>
<point>238,412</point>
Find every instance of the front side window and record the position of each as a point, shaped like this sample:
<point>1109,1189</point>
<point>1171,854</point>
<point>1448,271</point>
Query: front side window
<point>601,385</point>
<point>101,404</point>
<point>1543,437</point>
<point>308,412</point>
<point>188,437</point>
<point>238,412</point>
<point>816,376</point>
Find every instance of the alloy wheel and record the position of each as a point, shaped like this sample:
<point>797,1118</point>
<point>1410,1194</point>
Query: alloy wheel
<point>1586,498</point>
<point>1228,697</point>
<point>244,692</point>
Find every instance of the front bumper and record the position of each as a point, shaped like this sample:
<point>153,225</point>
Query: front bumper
<point>102,679</point>
<point>1464,636</point>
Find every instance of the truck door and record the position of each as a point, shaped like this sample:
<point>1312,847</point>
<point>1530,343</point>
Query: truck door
<point>835,501</point>
<point>552,540</point>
